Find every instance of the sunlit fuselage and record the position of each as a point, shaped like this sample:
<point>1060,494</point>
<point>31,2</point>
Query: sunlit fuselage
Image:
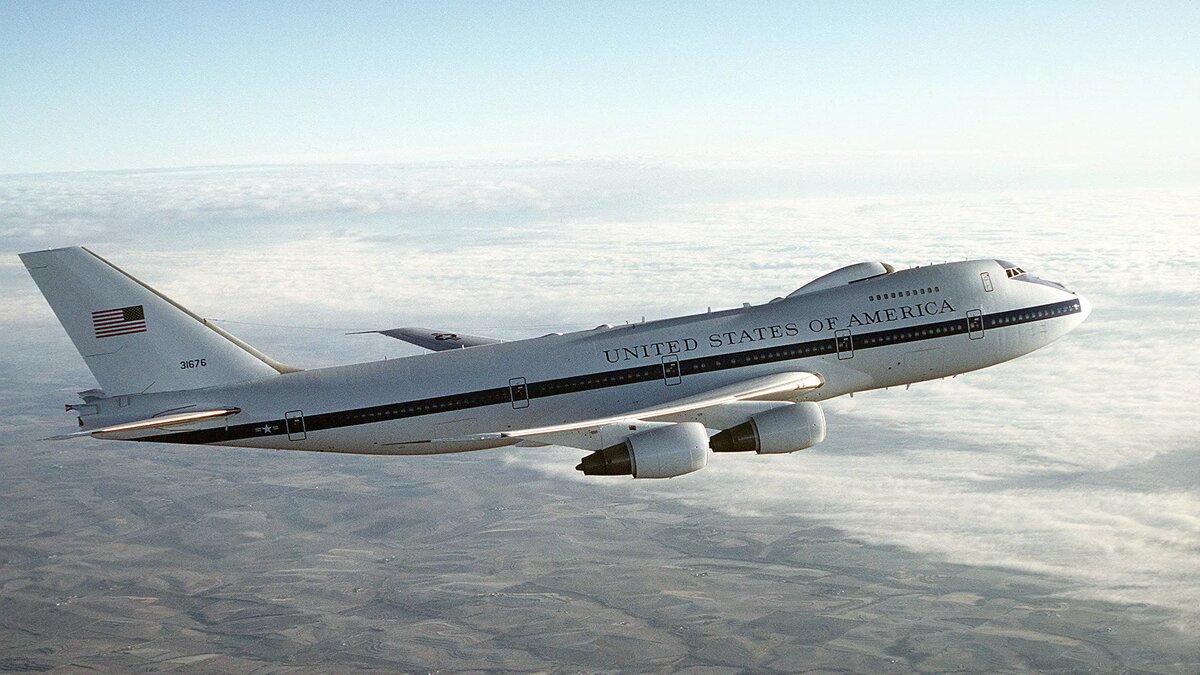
<point>908,326</point>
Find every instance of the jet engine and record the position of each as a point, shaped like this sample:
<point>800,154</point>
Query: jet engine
<point>784,429</point>
<point>664,452</point>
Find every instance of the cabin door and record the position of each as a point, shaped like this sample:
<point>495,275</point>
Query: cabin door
<point>518,391</point>
<point>844,343</point>
<point>975,324</point>
<point>671,372</point>
<point>294,421</point>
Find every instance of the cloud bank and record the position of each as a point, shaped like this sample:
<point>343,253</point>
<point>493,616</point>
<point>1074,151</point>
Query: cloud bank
<point>1078,461</point>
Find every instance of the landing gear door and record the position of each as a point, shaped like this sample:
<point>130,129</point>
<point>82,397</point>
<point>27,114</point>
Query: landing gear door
<point>844,343</point>
<point>294,421</point>
<point>975,324</point>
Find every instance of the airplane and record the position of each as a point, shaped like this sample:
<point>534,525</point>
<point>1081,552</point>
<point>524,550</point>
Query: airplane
<point>652,399</point>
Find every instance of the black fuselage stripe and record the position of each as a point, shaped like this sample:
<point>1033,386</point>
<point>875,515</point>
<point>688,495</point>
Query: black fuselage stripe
<point>616,378</point>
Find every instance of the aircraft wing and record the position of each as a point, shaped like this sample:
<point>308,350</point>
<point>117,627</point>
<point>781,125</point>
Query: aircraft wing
<point>175,419</point>
<point>437,340</point>
<point>600,432</point>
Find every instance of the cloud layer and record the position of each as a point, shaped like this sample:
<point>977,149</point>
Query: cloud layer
<point>1077,461</point>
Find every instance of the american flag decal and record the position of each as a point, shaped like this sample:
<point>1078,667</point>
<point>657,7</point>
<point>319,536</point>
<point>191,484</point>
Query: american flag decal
<point>120,321</point>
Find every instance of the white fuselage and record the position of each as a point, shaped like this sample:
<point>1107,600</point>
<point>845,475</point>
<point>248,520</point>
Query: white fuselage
<point>907,326</point>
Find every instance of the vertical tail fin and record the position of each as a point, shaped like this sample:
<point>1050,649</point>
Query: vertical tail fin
<point>133,338</point>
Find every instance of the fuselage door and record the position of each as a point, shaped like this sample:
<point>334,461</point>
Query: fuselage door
<point>519,392</point>
<point>294,421</point>
<point>844,343</point>
<point>671,372</point>
<point>975,324</point>
<point>987,281</point>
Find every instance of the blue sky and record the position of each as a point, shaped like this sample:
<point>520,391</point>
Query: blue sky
<point>1029,86</point>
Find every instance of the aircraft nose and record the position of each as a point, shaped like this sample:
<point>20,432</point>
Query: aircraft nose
<point>1085,308</point>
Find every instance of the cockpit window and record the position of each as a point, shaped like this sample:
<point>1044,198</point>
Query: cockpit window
<point>1013,272</point>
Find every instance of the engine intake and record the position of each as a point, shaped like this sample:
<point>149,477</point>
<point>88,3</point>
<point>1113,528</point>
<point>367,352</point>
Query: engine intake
<point>664,452</point>
<point>784,429</point>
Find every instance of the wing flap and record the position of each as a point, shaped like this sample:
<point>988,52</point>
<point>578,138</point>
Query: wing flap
<point>596,437</point>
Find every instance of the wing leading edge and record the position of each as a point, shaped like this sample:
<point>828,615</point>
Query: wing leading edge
<point>436,340</point>
<point>588,434</point>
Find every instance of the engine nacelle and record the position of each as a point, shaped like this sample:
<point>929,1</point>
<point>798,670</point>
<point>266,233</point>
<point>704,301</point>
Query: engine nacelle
<point>664,452</point>
<point>785,429</point>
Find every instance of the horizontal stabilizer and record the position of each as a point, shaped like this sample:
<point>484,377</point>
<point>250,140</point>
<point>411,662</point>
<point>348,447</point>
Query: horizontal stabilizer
<point>172,420</point>
<point>437,340</point>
